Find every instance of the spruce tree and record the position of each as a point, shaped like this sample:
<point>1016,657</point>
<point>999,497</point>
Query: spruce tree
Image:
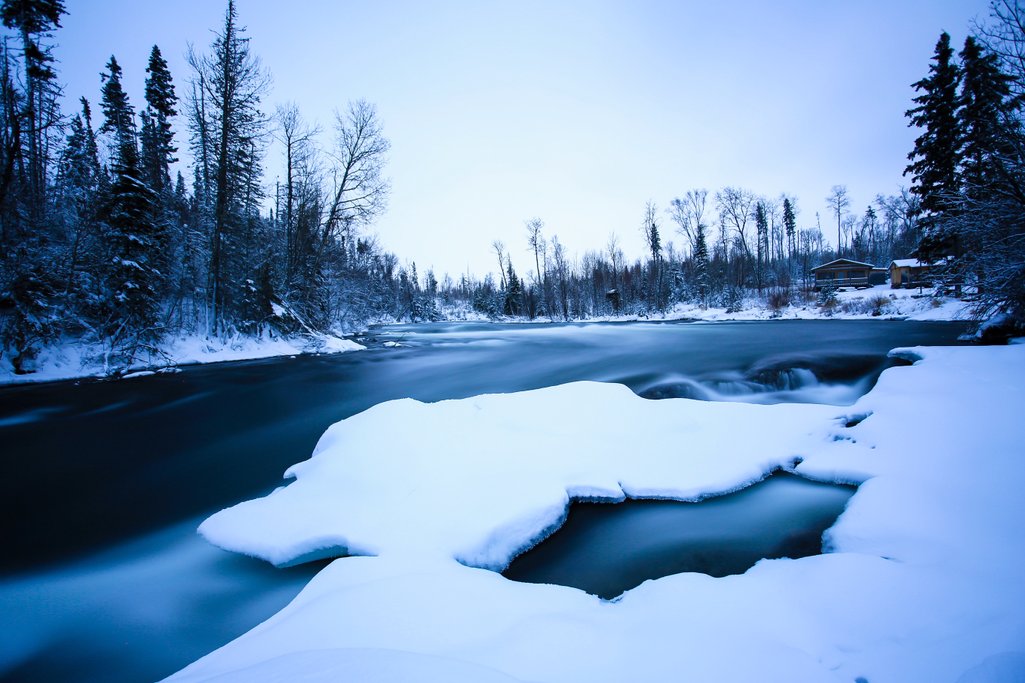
<point>936,156</point>
<point>134,236</point>
<point>701,263</point>
<point>761,240</point>
<point>513,294</point>
<point>91,150</point>
<point>158,136</point>
<point>790,224</point>
<point>982,116</point>
<point>232,81</point>
<point>118,115</point>
<point>132,277</point>
<point>78,192</point>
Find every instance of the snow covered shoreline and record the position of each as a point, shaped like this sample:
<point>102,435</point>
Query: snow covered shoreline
<point>922,584</point>
<point>78,361</point>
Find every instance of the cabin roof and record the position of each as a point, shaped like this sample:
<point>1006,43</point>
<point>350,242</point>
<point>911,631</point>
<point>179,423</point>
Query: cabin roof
<point>915,263</point>
<point>907,263</point>
<point>842,262</point>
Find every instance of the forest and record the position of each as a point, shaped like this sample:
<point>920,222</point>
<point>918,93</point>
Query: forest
<point>125,224</point>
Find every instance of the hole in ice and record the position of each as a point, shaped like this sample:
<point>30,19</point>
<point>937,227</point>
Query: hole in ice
<point>606,549</point>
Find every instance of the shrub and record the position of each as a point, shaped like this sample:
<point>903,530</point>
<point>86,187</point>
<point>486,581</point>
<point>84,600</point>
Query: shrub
<point>827,298</point>
<point>779,299</point>
<point>878,303</point>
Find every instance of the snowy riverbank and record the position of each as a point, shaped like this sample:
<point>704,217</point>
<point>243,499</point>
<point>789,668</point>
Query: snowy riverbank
<point>851,304</point>
<point>75,360</point>
<point>923,582</point>
<point>879,302</point>
<point>78,360</point>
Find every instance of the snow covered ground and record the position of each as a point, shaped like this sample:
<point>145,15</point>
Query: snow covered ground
<point>924,581</point>
<point>70,361</point>
<point>853,304</point>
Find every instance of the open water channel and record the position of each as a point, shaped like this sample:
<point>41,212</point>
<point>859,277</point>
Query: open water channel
<point>102,576</point>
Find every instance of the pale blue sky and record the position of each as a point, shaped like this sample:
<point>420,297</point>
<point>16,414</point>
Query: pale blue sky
<point>574,112</point>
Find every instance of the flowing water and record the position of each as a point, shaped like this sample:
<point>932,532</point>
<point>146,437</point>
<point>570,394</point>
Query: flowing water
<point>102,576</point>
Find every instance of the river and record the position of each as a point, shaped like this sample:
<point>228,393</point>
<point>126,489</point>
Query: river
<point>103,577</point>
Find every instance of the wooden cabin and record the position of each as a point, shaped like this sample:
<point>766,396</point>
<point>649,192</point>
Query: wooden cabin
<point>844,273</point>
<point>612,296</point>
<point>910,272</point>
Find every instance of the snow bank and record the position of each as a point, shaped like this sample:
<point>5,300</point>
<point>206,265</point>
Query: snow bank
<point>923,584</point>
<point>481,479</point>
<point>75,359</point>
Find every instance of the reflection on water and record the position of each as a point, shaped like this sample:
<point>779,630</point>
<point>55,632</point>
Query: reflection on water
<point>606,549</point>
<point>127,469</point>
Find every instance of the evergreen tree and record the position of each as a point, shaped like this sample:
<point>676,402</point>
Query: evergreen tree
<point>158,137</point>
<point>32,19</point>
<point>135,234</point>
<point>984,105</point>
<point>79,190</point>
<point>232,82</point>
<point>133,303</point>
<point>656,297</point>
<point>513,294</point>
<point>34,320</point>
<point>761,240</point>
<point>91,151</point>
<point>936,156</point>
<point>790,224</point>
<point>118,115</point>
<point>701,264</point>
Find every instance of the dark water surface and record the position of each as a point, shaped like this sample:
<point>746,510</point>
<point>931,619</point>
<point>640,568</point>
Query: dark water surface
<point>102,576</point>
<point>606,549</point>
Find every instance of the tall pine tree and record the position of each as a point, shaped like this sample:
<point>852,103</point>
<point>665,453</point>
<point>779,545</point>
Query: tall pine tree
<point>118,114</point>
<point>701,263</point>
<point>935,158</point>
<point>133,281</point>
<point>982,115</point>
<point>135,240</point>
<point>790,225</point>
<point>80,188</point>
<point>231,81</point>
<point>158,136</point>
<point>761,241</point>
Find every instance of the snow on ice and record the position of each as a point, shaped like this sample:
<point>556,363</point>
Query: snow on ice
<point>924,581</point>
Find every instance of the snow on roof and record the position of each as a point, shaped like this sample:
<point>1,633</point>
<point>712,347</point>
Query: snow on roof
<point>915,263</point>
<point>915,588</point>
<point>907,263</point>
<point>843,262</point>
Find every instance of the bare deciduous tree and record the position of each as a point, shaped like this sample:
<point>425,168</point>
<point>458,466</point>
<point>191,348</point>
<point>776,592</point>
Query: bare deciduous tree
<point>689,213</point>
<point>298,202</point>
<point>359,190</point>
<point>838,201</point>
